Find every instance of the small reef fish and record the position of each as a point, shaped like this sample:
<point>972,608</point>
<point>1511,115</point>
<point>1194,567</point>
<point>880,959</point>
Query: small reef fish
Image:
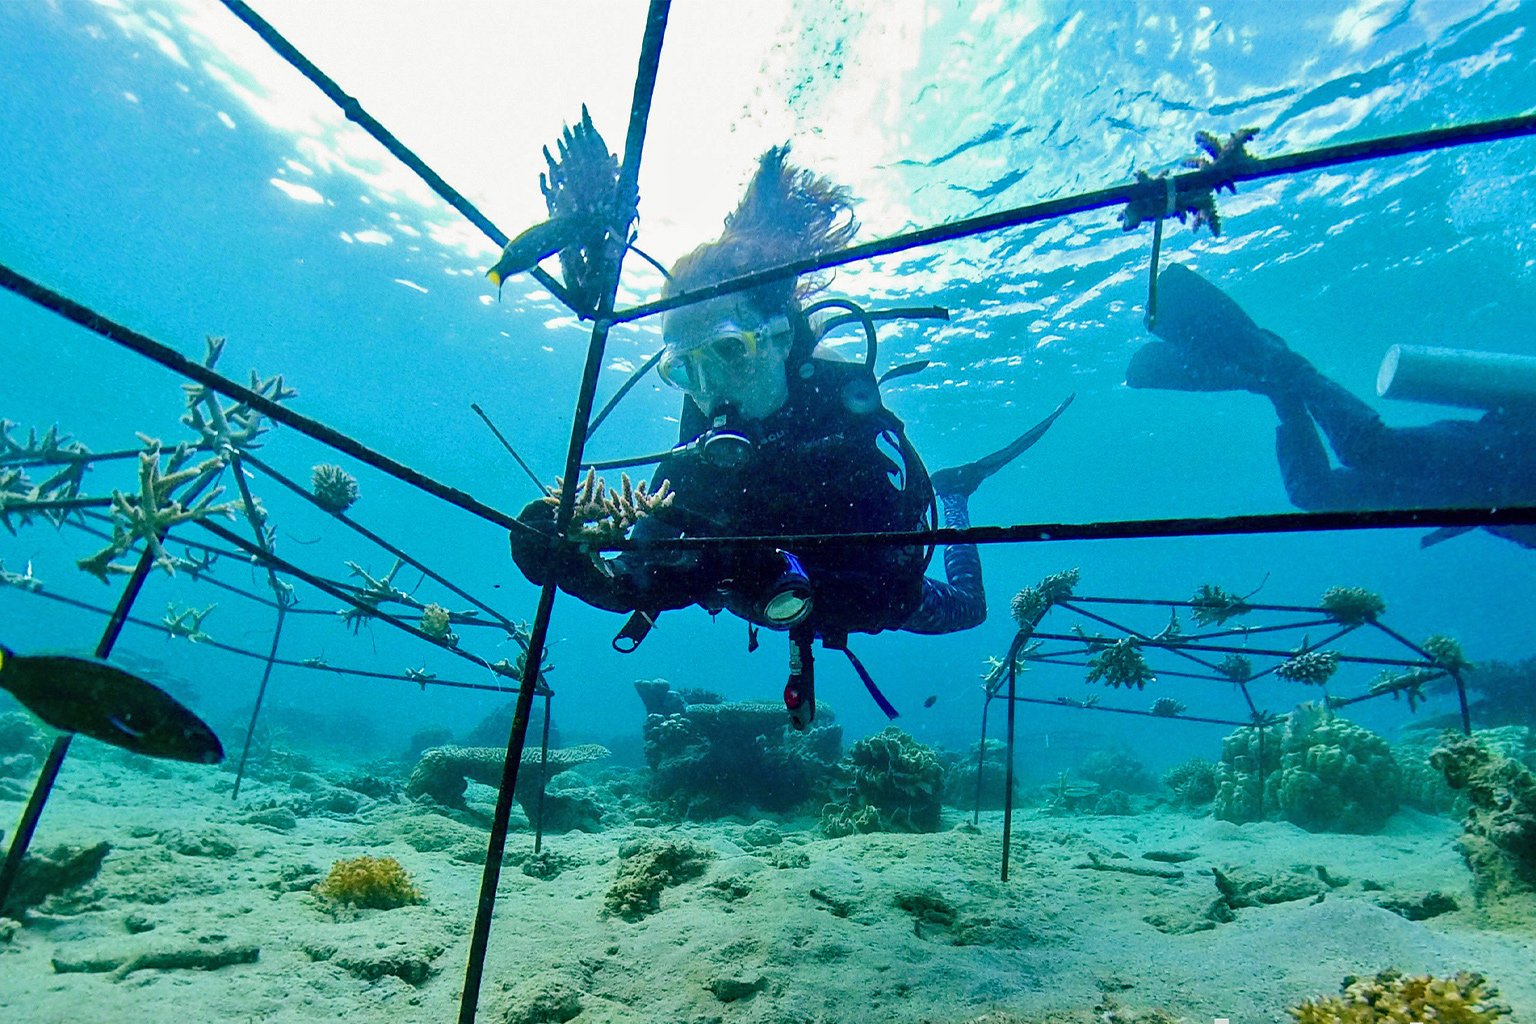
<point>524,252</point>
<point>100,700</point>
<point>931,701</point>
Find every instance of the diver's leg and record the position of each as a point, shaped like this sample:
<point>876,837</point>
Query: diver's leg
<point>960,602</point>
<point>1311,481</point>
<point>962,481</point>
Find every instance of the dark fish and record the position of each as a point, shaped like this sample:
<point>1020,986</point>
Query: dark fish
<point>93,697</point>
<point>931,701</point>
<point>524,252</point>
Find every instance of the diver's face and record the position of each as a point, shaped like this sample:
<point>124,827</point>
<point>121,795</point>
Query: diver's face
<point>722,353</point>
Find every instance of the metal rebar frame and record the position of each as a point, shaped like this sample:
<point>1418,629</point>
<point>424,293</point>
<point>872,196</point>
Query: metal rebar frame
<point>583,423</point>
<point>1185,646</point>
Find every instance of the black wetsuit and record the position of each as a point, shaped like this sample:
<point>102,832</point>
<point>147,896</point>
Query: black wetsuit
<point>1489,461</point>
<point>833,459</point>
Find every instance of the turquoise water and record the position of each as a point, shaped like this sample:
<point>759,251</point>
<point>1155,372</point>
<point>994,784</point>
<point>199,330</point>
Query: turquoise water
<point>164,168</point>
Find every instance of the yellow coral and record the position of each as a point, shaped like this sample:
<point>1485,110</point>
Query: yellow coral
<point>1392,998</point>
<point>375,883</point>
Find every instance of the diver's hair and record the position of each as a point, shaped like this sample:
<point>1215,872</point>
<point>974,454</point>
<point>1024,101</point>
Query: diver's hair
<point>787,213</point>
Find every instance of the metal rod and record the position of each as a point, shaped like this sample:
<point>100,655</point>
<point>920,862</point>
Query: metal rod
<point>1150,190</point>
<point>258,527</point>
<point>355,113</point>
<point>368,534</point>
<point>981,758</point>
<point>1013,674</point>
<point>629,170</point>
<point>1126,529</point>
<point>43,787</point>
<point>278,413</point>
<point>285,662</point>
<point>538,823</point>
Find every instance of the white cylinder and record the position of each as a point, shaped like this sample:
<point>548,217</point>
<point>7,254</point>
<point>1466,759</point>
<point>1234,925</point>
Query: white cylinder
<point>1452,376</point>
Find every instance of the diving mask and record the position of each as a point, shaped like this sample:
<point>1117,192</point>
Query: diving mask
<point>728,346</point>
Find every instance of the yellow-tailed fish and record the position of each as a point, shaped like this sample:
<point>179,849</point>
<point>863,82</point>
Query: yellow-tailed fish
<point>100,700</point>
<point>525,251</point>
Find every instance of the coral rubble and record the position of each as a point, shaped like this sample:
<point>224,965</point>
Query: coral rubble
<point>646,867</point>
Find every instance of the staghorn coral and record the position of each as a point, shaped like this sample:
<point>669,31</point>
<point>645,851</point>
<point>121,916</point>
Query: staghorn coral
<point>157,508</point>
<point>1498,840</point>
<point>1352,606</point>
<point>1029,605</point>
<point>1399,684</point>
<point>602,516</point>
<point>894,784</point>
<point>333,488</point>
<point>1394,998</point>
<point>1212,605</point>
<point>370,883</point>
<point>1167,707</point>
<point>646,867</point>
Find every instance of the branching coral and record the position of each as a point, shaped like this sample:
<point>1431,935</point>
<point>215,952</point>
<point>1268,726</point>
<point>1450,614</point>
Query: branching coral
<point>235,426</point>
<point>373,593</point>
<point>334,489</point>
<point>1212,605</point>
<point>156,508</point>
<point>371,883</point>
<point>437,622</point>
<point>1312,668</point>
<point>53,448</point>
<point>1167,707</point>
<point>1236,668</point>
<point>1409,684</point>
<point>1230,157</point>
<point>1352,606</point>
<point>186,623</point>
<point>1446,652</point>
<point>1394,998</point>
<point>1121,664</point>
<point>1030,604</point>
<point>601,516</point>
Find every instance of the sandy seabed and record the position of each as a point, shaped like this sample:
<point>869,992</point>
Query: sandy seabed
<point>784,925</point>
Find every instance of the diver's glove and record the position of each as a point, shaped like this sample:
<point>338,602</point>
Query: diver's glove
<point>541,552</point>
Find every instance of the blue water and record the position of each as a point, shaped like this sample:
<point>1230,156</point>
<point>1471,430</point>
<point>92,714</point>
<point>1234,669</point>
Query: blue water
<point>155,165</point>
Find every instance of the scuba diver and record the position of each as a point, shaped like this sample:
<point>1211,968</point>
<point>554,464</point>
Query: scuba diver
<point>778,439</point>
<point>1209,344</point>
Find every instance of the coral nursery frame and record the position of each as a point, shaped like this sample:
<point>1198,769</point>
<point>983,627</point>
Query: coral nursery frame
<point>1192,659</point>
